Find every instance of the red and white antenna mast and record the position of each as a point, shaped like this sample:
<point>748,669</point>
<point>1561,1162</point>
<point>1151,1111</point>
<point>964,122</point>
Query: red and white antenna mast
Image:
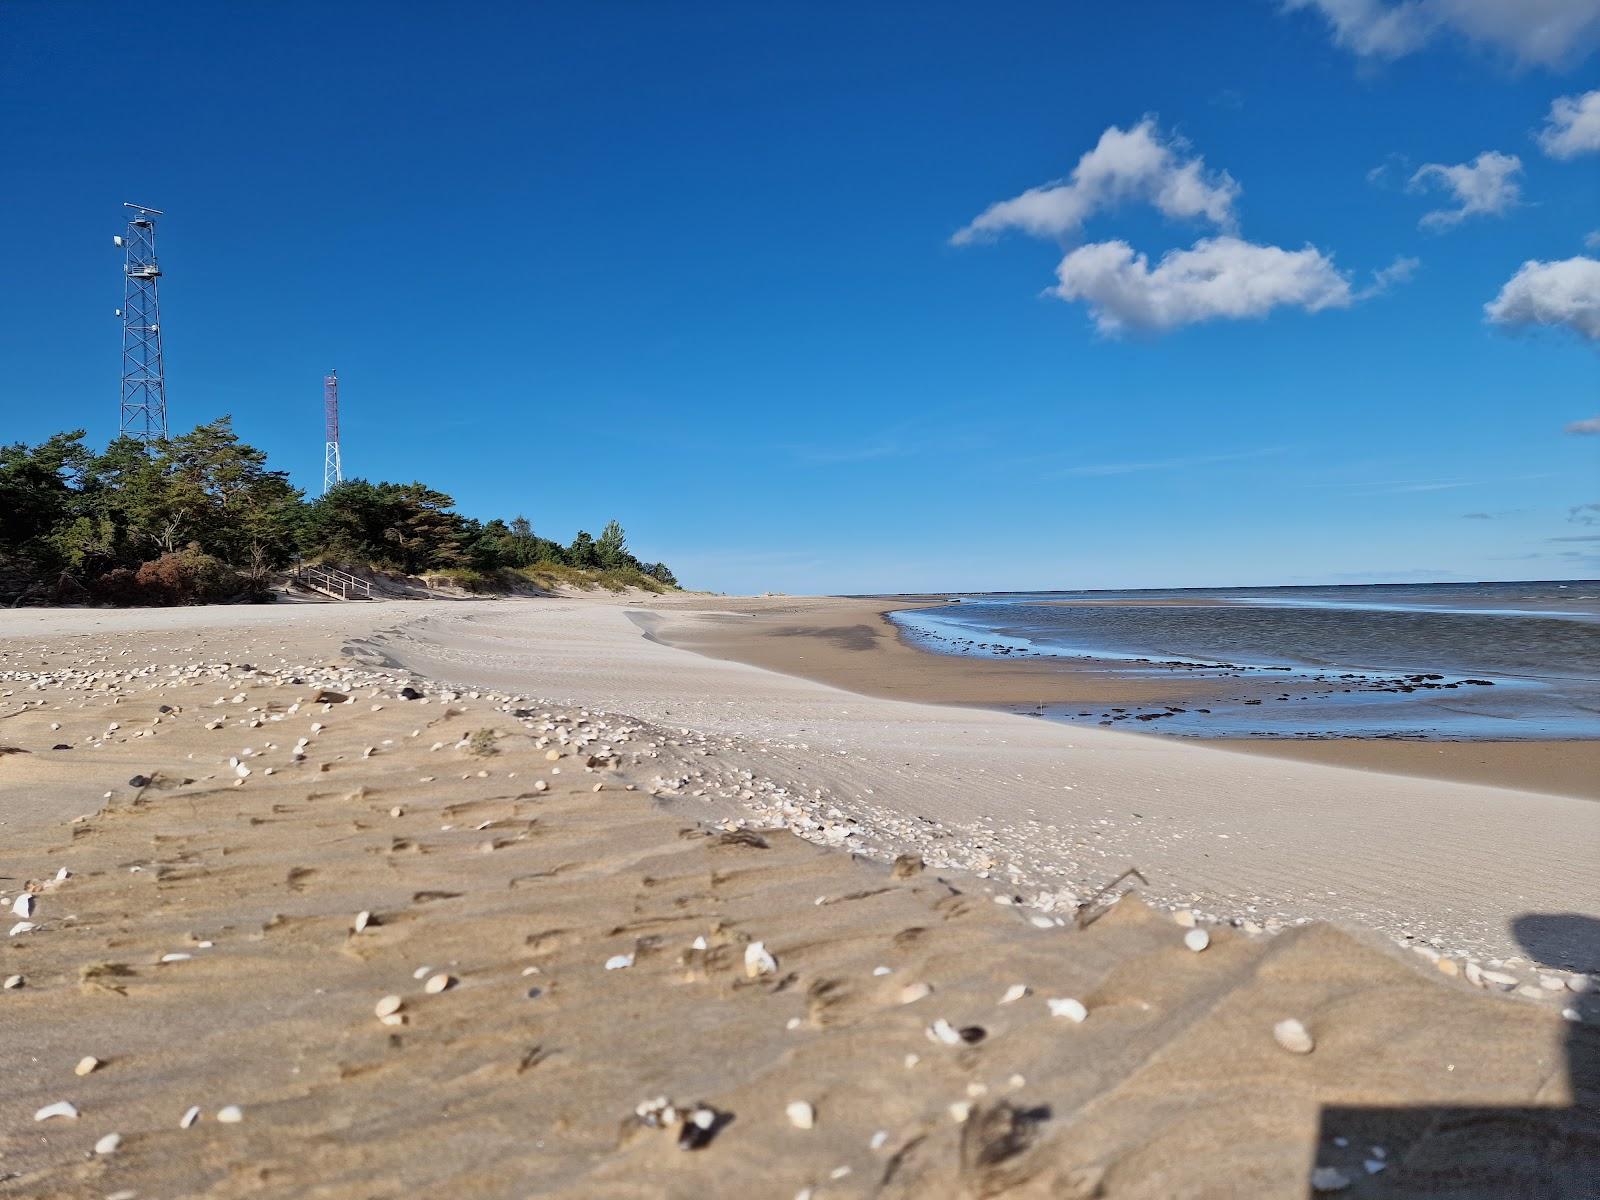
<point>332,468</point>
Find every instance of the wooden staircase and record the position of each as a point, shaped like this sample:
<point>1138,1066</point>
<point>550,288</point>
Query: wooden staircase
<point>331,581</point>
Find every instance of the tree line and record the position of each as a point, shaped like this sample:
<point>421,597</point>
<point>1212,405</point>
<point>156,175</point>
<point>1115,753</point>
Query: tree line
<point>202,517</point>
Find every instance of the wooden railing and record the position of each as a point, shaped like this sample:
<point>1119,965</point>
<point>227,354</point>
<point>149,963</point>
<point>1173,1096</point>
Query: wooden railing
<point>331,581</point>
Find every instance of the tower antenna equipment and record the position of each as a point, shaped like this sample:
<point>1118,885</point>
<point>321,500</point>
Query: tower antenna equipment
<point>144,383</point>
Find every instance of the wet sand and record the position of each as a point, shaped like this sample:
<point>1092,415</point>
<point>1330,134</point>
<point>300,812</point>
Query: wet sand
<point>695,910</point>
<point>850,644</point>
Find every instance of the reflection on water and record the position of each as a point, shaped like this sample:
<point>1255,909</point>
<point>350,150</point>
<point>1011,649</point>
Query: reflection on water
<point>1515,660</point>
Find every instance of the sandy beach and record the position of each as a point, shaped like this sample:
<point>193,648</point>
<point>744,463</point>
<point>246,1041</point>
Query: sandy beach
<point>589,897</point>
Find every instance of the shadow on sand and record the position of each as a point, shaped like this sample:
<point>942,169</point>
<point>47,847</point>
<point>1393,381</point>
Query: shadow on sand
<point>1532,1152</point>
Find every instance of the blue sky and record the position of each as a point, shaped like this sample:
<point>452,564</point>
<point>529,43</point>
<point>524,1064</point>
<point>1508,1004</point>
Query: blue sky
<point>693,267</point>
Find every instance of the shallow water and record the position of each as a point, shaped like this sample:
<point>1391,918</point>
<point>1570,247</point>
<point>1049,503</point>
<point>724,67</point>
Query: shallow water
<point>1468,661</point>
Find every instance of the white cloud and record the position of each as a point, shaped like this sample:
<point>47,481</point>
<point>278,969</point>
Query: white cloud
<point>1221,277</point>
<point>1592,239</point>
<point>1135,164</point>
<point>1552,293</point>
<point>1399,271</point>
<point>1550,33</point>
<point>1483,187</point>
<point>1587,425</point>
<point>1573,126</point>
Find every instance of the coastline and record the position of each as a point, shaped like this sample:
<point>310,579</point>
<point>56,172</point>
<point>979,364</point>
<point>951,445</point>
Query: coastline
<point>849,642</point>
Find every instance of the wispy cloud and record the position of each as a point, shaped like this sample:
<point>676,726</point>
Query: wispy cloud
<point>1100,470</point>
<point>1486,186</point>
<point>1576,537</point>
<point>898,441</point>
<point>1586,425</point>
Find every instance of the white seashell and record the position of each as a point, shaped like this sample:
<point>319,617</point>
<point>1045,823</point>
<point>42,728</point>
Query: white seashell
<point>86,1064</point>
<point>108,1144</point>
<point>22,927</point>
<point>942,1031</point>
<point>913,992</point>
<point>438,983</point>
<point>1014,993</point>
<point>393,1019</point>
<point>960,1111</point>
<point>231,1115</point>
<point>1293,1037</point>
<point>176,957</point>
<point>1184,917</point>
<point>422,972</point>
<point>12,982</point>
<point>879,1140</point>
<point>1374,1165</point>
<point>1328,1179</point>
<point>22,906</point>
<point>61,1108</point>
<point>1197,940</point>
<point>758,960</point>
<point>801,1115</point>
<point>699,943</point>
<point>1072,1010</point>
<point>363,919</point>
<point>388,1006</point>
<point>189,1117</point>
<point>618,962</point>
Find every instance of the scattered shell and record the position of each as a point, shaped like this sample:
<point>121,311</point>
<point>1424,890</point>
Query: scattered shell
<point>231,1115</point>
<point>22,927</point>
<point>176,957</point>
<point>108,1144</point>
<point>1328,1179</point>
<point>1197,940</point>
<point>758,960</point>
<point>1374,1165</point>
<point>913,992</point>
<point>1184,917</point>
<point>438,983</point>
<point>801,1115</point>
<point>61,1108</point>
<point>942,1031</point>
<point>388,1006</point>
<point>22,906</point>
<point>619,961</point>
<point>1294,1037</point>
<point>1072,1010</point>
<point>363,919</point>
<point>86,1065</point>
<point>189,1117</point>
<point>960,1111</point>
<point>1014,993</point>
<point>13,981</point>
<point>699,1127</point>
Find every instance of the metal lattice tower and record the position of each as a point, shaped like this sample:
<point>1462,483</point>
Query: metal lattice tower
<point>144,384</point>
<point>332,468</point>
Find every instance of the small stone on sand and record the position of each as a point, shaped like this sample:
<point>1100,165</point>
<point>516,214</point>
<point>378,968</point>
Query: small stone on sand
<point>86,1065</point>
<point>801,1115</point>
<point>1197,940</point>
<point>108,1144</point>
<point>230,1115</point>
